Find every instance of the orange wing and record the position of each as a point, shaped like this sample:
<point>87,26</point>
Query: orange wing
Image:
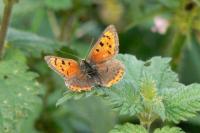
<point>106,47</point>
<point>70,70</point>
<point>67,68</point>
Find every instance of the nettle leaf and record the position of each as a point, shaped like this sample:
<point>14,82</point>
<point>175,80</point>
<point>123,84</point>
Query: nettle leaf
<point>20,104</point>
<point>159,94</point>
<point>182,103</point>
<point>159,70</point>
<point>167,129</point>
<point>125,96</point>
<point>133,69</point>
<point>31,44</point>
<point>128,128</point>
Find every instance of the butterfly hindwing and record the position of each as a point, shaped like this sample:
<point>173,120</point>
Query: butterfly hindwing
<point>110,72</point>
<point>80,83</point>
<point>106,47</point>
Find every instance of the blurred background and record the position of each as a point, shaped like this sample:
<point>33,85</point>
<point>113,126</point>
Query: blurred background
<point>146,28</point>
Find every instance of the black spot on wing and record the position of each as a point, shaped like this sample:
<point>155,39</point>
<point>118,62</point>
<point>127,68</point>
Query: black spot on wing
<point>55,61</point>
<point>63,62</point>
<point>108,37</point>
<point>101,44</point>
<point>109,52</point>
<point>97,50</point>
<point>67,73</point>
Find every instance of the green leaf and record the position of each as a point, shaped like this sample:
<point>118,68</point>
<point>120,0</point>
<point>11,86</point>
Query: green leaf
<point>78,113</point>
<point>159,70</point>
<point>20,104</point>
<point>133,69</point>
<point>182,103</point>
<point>168,99</point>
<point>77,95</point>
<point>190,61</point>
<point>125,96</point>
<point>128,128</point>
<point>59,5</point>
<point>167,129</point>
<point>31,44</point>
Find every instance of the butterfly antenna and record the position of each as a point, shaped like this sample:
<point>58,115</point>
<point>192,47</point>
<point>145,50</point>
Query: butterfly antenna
<point>69,54</point>
<point>89,48</point>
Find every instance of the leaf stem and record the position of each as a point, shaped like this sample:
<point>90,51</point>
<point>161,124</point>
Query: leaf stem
<point>5,22</point>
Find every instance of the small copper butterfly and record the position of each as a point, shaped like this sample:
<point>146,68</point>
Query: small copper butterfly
<point>100,68</point>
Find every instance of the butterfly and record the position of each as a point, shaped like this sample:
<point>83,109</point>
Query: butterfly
<point>100,68</point>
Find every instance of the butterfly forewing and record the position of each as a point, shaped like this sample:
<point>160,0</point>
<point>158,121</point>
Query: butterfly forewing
<point>74,78</point>
<point>106,47</point>
<point>67,68</point>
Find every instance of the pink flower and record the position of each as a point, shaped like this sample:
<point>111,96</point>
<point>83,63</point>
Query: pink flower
<point>160,25</point>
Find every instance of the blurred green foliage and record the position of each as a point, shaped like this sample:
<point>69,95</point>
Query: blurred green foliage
<point>65,27</point>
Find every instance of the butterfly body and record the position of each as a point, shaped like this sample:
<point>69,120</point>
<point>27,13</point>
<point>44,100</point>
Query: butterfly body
<point>100,68</point>
<point>91,71</point>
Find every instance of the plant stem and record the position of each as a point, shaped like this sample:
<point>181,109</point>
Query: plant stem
<point>146,120</point>
<point>176,47</point>
<point>5,22</point>
<point>53,23</point>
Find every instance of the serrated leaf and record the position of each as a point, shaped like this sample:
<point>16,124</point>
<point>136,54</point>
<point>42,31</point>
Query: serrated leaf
<point>172,100</point>
<point>18,94</point>
<point>124,98</point>
<point>77,95</point>
<point>128,128</point>
<point>159,70</point>
<point>182,103</point>
<point>167,129</point>
<point>31,44</point>
<point>133,69</point>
